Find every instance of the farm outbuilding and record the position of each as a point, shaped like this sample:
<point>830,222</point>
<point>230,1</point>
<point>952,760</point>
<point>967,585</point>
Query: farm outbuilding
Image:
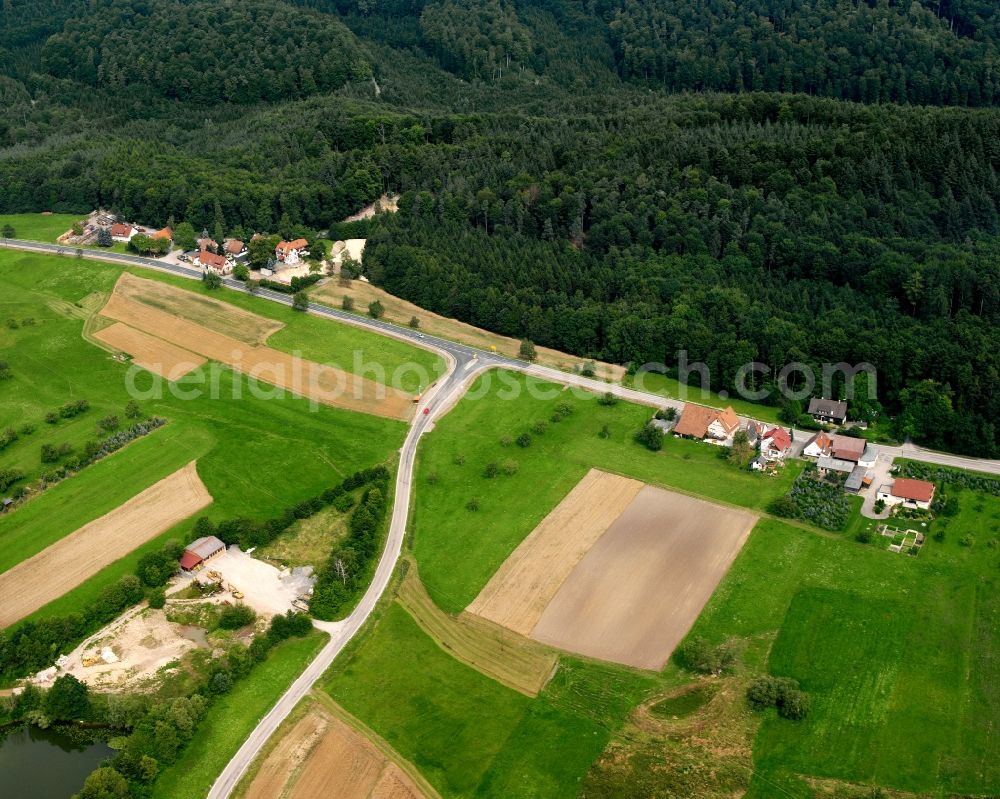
<point>200,551</point>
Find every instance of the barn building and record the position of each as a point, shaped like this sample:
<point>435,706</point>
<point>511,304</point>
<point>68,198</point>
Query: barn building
<point>200,551</point>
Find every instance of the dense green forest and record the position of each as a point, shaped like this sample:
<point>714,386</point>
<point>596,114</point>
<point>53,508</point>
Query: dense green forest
<point>770,180</point>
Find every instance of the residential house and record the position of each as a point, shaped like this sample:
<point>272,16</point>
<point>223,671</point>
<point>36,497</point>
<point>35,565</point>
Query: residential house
<point>709,424</point>
<point>827,410</point>
<point>165,234</point>
<point>217,263</point>
<point>869,456</point>
<point>122,231</point>
<point>291,252</point>
<point>819,445</point>
<point>775,443</point>
<point>206,243</point>
<point>754,431</point>
<point>908,493</point>
<point>234,248</point>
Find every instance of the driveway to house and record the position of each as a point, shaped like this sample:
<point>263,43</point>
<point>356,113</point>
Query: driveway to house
<point>881,476</point>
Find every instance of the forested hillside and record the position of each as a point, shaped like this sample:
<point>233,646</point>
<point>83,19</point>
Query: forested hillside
<point>620,179</point>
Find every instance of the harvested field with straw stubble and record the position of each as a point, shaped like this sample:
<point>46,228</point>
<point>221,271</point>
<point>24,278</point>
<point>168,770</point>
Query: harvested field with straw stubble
<point>154,354</point>
<point>325,384</point>
<point>522,588</point>
<point>222,317</point>
<point>509,658</point>
<point>66,564</point>
<point>640,588</point>
<point>322,755</point>
<point>618,570</point>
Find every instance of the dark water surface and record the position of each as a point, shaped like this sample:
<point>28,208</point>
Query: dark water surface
<point>46,764</point>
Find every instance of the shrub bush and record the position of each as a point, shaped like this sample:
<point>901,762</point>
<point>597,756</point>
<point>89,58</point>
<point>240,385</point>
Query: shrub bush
<point>696,654</point>
<point>782,693</point>
<point>651,437</point>
<point>157,598</point>
<point>235,616</point>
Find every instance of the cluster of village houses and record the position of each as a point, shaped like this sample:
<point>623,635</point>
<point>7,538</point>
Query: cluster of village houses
<point>850,456</point>
<point>207,256</point>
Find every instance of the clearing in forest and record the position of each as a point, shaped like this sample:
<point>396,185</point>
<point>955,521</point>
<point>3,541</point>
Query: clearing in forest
<point>61,567</point>
<point>618,571</point>
<point>324,755</point>
<point>329,385</point>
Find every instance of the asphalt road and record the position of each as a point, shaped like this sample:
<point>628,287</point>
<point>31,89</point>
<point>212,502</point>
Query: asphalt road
<point>463,364</point>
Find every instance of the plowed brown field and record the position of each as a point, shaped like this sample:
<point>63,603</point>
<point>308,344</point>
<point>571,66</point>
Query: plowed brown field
<point>324,756</point>
<point>523,586</point>
<point>59,568</point>
<point>222,317</point>
<point>326,384</point>
<point>617,571</point>
<point>154,354</point>
<point>637,592</point>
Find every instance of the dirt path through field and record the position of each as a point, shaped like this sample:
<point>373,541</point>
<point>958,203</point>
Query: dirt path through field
<point>517,595</point>
<point>63,566</point>
<point>636,593</point>
<point>326,384</point>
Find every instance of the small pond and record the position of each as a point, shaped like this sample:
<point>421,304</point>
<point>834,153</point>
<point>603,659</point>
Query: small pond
<point>47,764</point>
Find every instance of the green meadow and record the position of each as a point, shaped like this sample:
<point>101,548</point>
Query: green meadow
<point>40,227</point>
<point>469,735</point>
<point>255,456</point>
<point>900,655</point>
<point>671,387</point>
<point>458,549</point>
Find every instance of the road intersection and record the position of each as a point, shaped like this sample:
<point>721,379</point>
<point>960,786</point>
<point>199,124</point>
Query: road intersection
<point>464,364</point>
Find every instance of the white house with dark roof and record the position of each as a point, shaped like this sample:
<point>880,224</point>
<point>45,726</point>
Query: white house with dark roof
<point>828,410</point>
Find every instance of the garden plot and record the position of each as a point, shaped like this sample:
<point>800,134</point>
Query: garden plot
<point>905,541</point>
<point>63,566</point>
<point>639,582</point>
